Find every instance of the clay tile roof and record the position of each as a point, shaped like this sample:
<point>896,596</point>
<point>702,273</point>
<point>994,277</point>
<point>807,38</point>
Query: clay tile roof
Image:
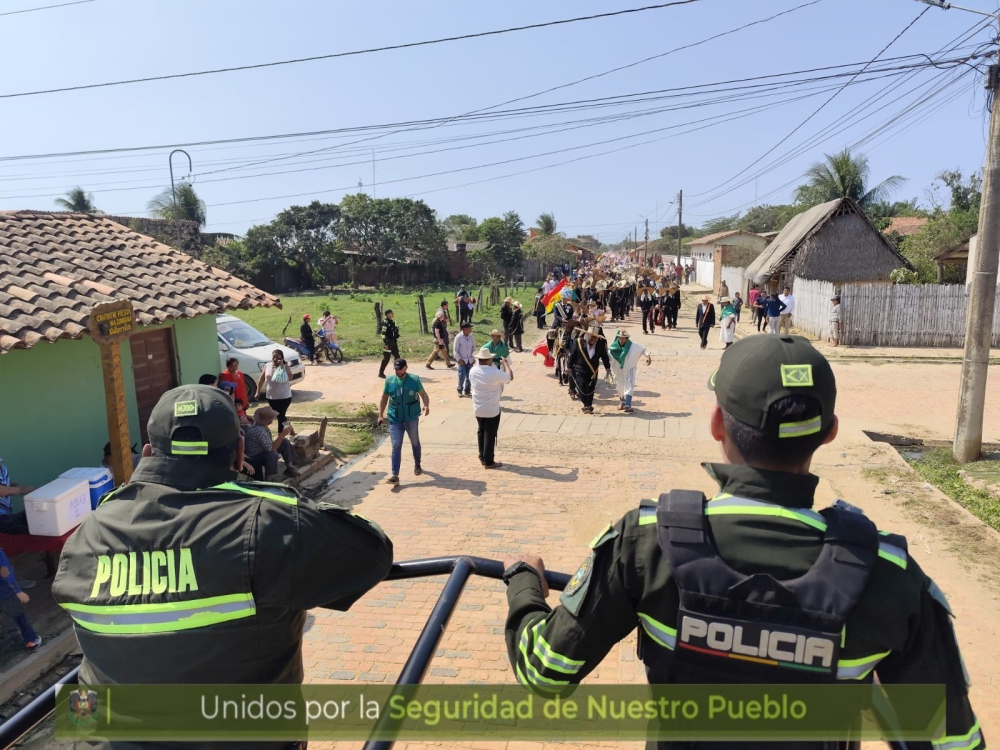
<point>906,225</point>
<point>54,267</point>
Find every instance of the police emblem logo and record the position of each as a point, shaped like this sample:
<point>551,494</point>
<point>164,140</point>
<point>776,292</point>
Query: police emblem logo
<point>580,576</point>
<point>796,376</point>
<point>83,707</point>
<point>186,409</point>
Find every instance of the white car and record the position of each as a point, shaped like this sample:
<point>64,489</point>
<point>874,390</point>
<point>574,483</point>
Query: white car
<point>253,349</point>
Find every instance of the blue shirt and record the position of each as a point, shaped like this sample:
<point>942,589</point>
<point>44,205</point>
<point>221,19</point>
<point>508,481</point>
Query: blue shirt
<point>6,508</point>
<point>8,586</point>
<point>773,307</point>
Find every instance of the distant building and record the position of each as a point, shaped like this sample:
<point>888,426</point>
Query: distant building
<point>833,241</point>
<point>904,226</point>
<point>703,248</point>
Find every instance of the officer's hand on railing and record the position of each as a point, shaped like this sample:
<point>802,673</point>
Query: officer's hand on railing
<point>535,562</point>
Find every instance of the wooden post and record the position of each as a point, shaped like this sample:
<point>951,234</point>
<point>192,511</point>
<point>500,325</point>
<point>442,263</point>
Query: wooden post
<point>378,318</point>
<point>422,312</point>
<point>110,324</point>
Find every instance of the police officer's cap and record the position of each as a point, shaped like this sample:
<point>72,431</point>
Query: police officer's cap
<point>207,409</point>
<point>758,371</point>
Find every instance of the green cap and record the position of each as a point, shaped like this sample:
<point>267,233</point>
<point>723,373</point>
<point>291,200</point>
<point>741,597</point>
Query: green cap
<point>204,407</point>
<point>757,371</point>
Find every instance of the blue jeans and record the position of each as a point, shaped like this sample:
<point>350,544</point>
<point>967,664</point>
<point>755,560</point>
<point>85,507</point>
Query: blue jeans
<point>627,400</point>
<point>13,609</point>
<point>464,384</point>
<point>396,435</point>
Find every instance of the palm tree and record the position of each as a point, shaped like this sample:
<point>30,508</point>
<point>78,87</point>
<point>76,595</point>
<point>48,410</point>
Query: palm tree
<point>547,224</point>
<point>189,206</point>
<point>78,201</point>
<point>844,175</point>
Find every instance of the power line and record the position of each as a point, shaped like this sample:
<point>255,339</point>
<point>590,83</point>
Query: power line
<point>586,78</point>
<point>352,53</point>
<point>44,7</point>
<point>815,112</point>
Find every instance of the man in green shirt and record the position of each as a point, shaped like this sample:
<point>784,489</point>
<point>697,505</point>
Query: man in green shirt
<point>402,393</point>
<point>499,348</point>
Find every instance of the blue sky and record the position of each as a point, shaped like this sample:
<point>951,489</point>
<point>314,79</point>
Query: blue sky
<point>605,195</point>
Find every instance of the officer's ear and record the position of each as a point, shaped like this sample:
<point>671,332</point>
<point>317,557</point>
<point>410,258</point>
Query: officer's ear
<point>716,425</point>
<point>834,428</point>
<point>147,451</point>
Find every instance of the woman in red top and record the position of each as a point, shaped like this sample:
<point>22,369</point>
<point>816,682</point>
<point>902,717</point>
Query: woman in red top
<point>234,376</point>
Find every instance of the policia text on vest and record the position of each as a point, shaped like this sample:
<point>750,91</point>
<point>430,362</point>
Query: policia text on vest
<point>751,586</point>
<point>185,576</point>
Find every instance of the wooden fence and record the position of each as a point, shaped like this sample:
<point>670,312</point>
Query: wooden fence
<point>888,314</point>
<point>704,272</point>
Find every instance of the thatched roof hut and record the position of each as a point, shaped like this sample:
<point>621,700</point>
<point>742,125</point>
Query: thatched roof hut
<point>833,241</point>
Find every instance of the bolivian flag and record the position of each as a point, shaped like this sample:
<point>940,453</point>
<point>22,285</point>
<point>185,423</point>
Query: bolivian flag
<point>554,295</point>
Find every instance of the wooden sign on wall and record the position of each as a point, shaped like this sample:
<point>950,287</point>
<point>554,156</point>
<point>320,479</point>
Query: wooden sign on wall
<point>110,324</point>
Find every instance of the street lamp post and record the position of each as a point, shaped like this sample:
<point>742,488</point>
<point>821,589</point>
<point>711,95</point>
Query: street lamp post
<point>983,287</point>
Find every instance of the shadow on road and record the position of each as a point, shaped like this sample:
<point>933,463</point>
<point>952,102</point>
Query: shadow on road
<point>542,472</point>
<point>474,487</point>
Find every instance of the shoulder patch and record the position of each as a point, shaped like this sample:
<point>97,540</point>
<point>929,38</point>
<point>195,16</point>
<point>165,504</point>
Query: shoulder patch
<point>576,590</point>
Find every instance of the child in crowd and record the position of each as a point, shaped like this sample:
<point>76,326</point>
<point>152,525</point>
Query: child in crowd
<point>737,305</point>
<point>11,599</point>
<point>241,412</point>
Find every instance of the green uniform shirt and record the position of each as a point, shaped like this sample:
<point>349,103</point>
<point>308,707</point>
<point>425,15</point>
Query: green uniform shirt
<point>761,522</point>
<point>404,403</point>
<point>184,576</point>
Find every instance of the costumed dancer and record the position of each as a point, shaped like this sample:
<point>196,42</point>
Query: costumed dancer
<point>587,353</point>
<point>625,356</point>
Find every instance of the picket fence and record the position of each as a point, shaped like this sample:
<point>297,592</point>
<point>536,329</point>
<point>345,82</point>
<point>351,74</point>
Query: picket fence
<point>888,314</point>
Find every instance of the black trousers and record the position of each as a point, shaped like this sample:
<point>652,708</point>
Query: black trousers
<point>310,345</point>
<point>703,332</point>
<point>516,338</point>
<point>280,405</point>
<point>508,334</point>
<point>14,523</point>
<point>650,315</point>
<point>671,318</point>
<point>586,392</point>
<point>393,353</point>
<point>487,435</point>
<point>540,319</point>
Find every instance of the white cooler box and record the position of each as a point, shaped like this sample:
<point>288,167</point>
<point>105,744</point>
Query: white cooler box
<point>57,507</point>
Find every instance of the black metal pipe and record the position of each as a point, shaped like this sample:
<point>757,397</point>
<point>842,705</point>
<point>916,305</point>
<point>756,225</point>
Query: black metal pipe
<point>436,566</point>
<point>35,712</point>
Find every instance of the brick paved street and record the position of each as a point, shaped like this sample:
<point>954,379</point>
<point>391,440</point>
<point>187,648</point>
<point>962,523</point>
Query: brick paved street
<point>565,476</point>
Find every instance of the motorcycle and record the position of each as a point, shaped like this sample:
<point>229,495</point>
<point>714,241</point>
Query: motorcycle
<point>324,348</point>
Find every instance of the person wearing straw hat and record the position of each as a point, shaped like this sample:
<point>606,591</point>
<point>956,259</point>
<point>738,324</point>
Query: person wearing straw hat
<point>487,388</point>
<point>498,348</point>
<point>625,356</point>
<point>704,318</point>
<point>673,305</point>
<point>727,331</point>
<point>586,354</point>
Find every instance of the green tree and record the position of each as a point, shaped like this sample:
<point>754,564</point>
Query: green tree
<point>546,224</point>
<point>388,231</point>
<point>721,224</point>
<point>504,238</point>
<point>302,238</point>
<point>670,232</point>
<point>78,201</point>
<point>764,218</point>
<point>946,228</point>
<point>549,249</point>
<point>588,241</point>
<point>844,175</point>
<point>461,227</point>
<point>189,207</point>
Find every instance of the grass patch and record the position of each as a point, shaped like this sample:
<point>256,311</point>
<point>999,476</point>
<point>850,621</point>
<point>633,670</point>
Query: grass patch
<point>939,468</point>
<point>349,440</point>
<point>336,409</point>
<point>356,332</point>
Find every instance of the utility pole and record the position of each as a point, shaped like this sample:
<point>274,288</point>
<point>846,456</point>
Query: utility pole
<point>645,250</point>
<point>982,291</point>
<point>373,173</point>
<point>982,297</point>
<point>680,223</point>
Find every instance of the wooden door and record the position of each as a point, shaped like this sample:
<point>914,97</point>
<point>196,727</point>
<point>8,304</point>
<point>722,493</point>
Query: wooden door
<point>154,370</point>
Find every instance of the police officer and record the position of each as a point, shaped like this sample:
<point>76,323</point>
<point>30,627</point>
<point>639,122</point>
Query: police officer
<point>678,567</point>
<point>185,576</point>
<point>390,336</point>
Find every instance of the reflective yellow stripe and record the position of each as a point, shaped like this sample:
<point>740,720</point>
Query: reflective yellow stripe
<point>800,429</point>
<point>599,537</point>
<point>893,554</point>
<point>550,658</point>
<point>257,493</point>
<point>647,515</point>
<point>161,617</point>
<point>745,506</point>
<point>965,741</point>
<point>533,676</point>
<point>858,669</point>
<point>188,449</point>
<point>665,635</point>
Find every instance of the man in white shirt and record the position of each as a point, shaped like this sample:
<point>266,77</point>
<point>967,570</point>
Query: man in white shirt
<point>465,356</point>
<point>788,312</point>
<point>487,388</point>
